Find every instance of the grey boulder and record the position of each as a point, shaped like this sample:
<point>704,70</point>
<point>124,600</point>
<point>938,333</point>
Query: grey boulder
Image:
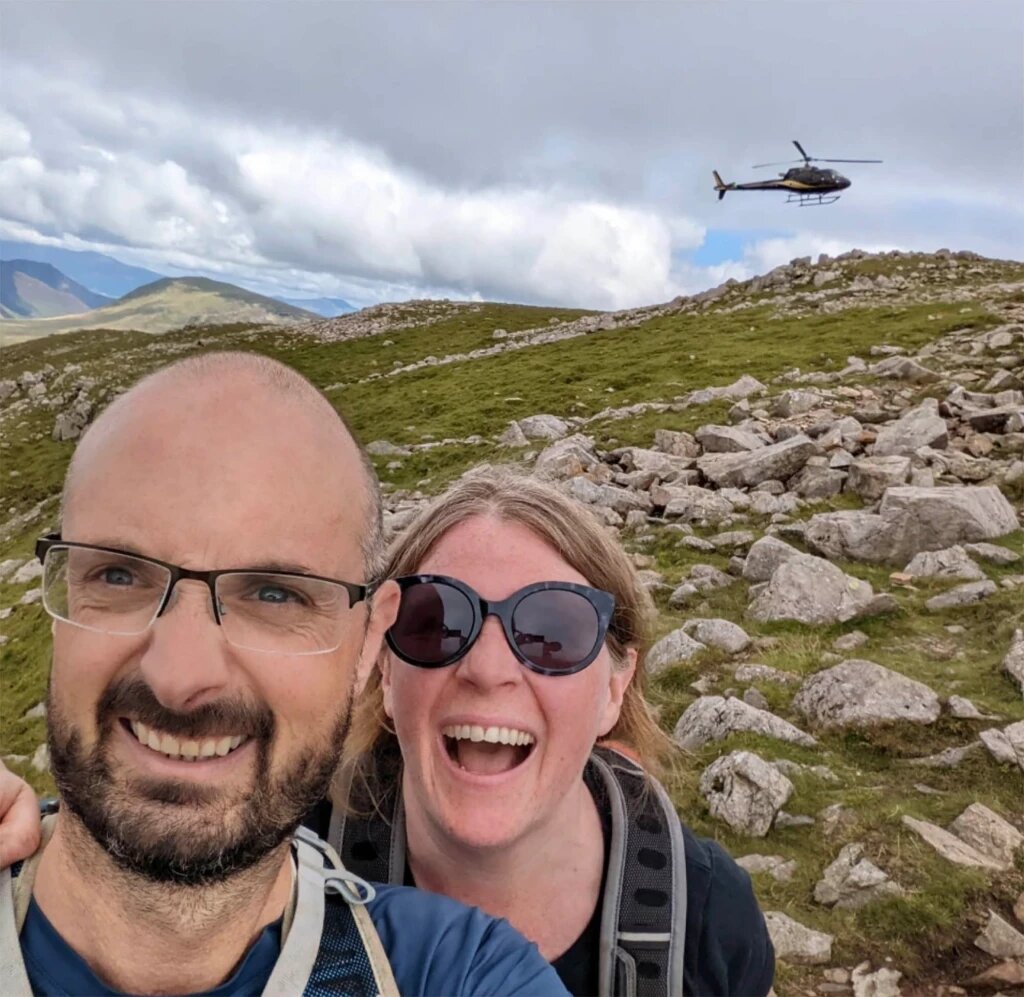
<point>713,718</point>
<point>746,792</point>
<point>811,590</point>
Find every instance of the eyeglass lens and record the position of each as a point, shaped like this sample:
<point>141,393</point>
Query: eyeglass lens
<point>117,593</point>
<point>554,629</point>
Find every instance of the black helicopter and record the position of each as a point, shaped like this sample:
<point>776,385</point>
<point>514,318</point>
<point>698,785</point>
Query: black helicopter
<point>804,184</point>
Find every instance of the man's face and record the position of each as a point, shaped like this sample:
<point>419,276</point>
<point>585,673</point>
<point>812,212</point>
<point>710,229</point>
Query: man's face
<point>227,483</point>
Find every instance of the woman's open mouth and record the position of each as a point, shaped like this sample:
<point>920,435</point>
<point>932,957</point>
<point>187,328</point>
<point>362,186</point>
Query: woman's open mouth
<point>487,750</point>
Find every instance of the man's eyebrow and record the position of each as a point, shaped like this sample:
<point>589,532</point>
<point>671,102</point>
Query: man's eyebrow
<point>269,565</point>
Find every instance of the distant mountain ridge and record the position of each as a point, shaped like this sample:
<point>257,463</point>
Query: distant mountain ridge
<point>98,272</point>
<point>29,289</point>
<point>326,307</point>
<point>166,304</point>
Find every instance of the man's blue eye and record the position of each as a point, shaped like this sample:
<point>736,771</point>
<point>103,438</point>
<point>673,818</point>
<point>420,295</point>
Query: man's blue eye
<point>274,593</point>
<point>117,576</point>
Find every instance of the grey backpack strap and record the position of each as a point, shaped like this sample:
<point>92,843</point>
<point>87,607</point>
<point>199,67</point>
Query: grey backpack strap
<point>368,824</point>
<point>13,978</point>
<point>643,922</point>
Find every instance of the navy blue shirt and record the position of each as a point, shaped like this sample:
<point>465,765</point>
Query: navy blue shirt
<point>435,946</point>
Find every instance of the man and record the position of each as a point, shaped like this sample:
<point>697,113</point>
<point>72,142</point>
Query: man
<point>213,612</point>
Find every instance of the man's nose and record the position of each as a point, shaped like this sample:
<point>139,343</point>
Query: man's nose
<point>490,662</point>
<point>186,658</point>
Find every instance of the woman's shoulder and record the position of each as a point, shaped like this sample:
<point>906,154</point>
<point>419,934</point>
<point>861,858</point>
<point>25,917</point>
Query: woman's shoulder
<point>727,942</point>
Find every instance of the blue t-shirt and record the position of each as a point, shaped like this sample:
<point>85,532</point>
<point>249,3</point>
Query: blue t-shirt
<point>435,946</point>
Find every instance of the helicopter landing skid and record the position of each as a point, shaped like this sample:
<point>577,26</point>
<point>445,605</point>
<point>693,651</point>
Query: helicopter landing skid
<point>811,200</point>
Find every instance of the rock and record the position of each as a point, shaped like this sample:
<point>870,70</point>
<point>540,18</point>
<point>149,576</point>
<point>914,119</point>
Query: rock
<point>1013,663</point>
<point>384,448</point>
<point>622,500</point>
<point>920,427</point>
<point>543,427</point>
<point>1018,908</point>
<point>911,520</point>
<point>696,543</point>
<point>744,470</point>
<point>671,650</point>
<point>882,982</point>
<point>775,866</point>
<point>1006,745</point>
<point>987,832</point>
<point>744,387</point>
<point>953,562</point>
<point>732,540</point>
<point>904,369</point>
<point>814,482</point>
<point>859,693</point>
<point>796,944</point>
<point>765,673</point>
<point>745,791</point>
<point>993,420</point>
<point>8,566</point>
<point>793,820</point>
<point>1000,939</point>
<point>765,556</point>
<point>852,881</point>
<point>41,759</point>
<point>713,718</point>
<point>962,595</point>
<point>513,437</point>
<point>950,847</point>
<point>993,554</point>
<point>567,457</point>
<point>811,590</point>
<point>949,758</point>
<point>707,578</point>
<point>795,401</point>
<point>691,503</point>
<point>1008,973</point>
<point>850,642</point>
<point>7,388</point>
<point>964,709</point>
<point>722,634</point>
<point>727,439</point>
<point>38,712</point>
<point>28,572</point>
<point>677,444</point>
<point>870,476</point>
<point>754,698</point>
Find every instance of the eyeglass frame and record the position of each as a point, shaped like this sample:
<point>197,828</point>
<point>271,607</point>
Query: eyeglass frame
<point>603,604</point>
<point>356,592</point>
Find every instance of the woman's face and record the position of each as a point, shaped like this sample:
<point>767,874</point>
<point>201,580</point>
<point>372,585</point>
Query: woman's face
<point>485,794</point>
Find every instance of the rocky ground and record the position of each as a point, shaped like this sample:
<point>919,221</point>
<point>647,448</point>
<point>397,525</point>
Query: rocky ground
<point>836,554</point>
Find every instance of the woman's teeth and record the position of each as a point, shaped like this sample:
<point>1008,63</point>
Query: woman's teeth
<point>182,749</point>
<point>492,735</point>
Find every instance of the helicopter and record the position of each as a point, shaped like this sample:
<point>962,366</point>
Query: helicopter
<point>806,185</point>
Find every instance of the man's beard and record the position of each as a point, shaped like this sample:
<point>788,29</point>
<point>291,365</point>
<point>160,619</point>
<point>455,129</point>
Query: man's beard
<point>171,831</point>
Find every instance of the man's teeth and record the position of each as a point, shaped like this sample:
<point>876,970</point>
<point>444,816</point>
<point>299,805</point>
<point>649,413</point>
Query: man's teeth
<point>493,735</point>
<point>188,750</point>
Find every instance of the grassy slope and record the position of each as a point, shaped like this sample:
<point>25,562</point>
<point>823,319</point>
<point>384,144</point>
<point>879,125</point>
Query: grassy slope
<point>924,931</point>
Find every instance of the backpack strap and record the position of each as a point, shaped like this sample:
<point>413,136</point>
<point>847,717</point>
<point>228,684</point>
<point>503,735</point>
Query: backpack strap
<point>368,823</point>
<point>643,922</point>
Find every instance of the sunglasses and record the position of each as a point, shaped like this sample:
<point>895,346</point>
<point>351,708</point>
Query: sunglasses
<point>554,628</point>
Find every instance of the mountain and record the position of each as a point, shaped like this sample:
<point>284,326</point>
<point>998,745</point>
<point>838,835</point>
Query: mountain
<point>863,408</point>
<point>38,290</point>
<point>327,307</point>
<point>100,273</point>
<point>166,304</point>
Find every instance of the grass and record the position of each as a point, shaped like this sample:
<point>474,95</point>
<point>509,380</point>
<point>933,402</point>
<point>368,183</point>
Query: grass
<point>660,360</point>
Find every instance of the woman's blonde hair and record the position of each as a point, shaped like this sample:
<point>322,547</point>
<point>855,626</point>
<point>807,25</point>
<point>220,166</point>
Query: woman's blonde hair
<point>584,543</point>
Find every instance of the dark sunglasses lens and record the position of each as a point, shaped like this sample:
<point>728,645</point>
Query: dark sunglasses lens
<point>434,623</point>
<point>555,629</point>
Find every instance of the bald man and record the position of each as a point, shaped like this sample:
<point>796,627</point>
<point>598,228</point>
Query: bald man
<point>214,603</point>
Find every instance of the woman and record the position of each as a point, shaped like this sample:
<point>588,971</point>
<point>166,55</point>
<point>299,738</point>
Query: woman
<point>471,767</point>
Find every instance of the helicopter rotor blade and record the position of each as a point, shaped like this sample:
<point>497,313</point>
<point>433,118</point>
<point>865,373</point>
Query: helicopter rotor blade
<point>848,160</point>
<point>800,149</point>
<point>788,162</point>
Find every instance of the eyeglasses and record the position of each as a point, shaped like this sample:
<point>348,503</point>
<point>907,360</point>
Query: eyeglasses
<point>554,628</point>
<point>112,592</point>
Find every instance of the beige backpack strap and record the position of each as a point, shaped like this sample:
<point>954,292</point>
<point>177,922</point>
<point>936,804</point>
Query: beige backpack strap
<point>15,896</point>
<point>379,962</point>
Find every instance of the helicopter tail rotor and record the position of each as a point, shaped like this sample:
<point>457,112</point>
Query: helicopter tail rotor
<point>720,185</point>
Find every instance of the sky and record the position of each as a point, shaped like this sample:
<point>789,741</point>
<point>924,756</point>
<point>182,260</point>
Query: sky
<point>549,153</point>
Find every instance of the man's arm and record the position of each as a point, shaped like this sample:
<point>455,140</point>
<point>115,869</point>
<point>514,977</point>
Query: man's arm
<point>19,818</point>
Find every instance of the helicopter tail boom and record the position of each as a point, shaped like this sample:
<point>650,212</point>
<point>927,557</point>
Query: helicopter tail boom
<point>720,186</point>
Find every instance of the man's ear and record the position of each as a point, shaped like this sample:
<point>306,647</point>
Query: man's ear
<point>618,683</point>
<point>383,612</point>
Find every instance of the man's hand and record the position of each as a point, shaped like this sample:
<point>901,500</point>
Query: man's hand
<point>19,818</point>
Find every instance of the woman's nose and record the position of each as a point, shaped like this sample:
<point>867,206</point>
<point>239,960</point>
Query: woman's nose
<point>490,661</point>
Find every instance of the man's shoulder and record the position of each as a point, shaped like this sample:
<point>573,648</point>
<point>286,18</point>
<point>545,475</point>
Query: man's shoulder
<point>438,945</point>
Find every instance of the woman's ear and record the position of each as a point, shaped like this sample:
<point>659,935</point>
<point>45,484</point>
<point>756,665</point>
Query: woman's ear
<point>618,683</point>
<point>387,698</point>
